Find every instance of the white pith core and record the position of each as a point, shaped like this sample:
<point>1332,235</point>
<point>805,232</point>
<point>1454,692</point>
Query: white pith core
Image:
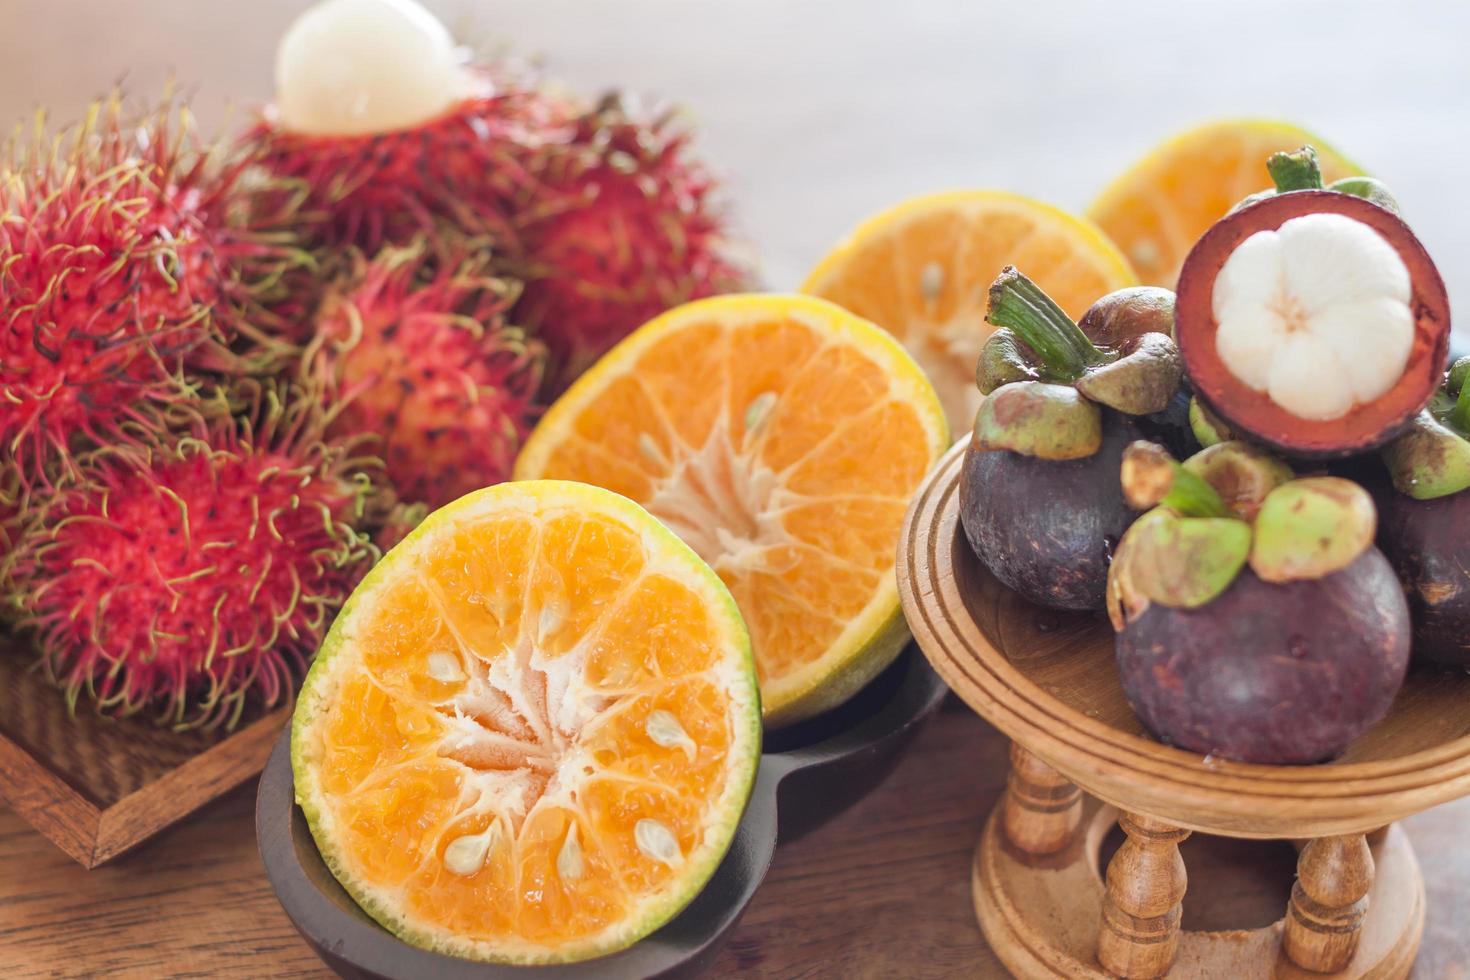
<point>354,67</point>
<point>722,499</point>
<point>1315,315</point>
<point>946,350</point>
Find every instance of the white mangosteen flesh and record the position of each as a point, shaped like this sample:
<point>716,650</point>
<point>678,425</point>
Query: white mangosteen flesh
<point>1315,315</point>
<point>355,67</point>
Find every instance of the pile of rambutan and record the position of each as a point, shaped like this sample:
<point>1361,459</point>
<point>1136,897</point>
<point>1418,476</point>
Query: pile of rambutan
<point>382,134</point>
<point>230,375</point>
<point>177,532</point>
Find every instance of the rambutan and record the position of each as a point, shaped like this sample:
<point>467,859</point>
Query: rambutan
<point>181,571</point>
<point>621,229</point>
<point>123,265</point>
<point>416,350</point>
<point>380,132</point>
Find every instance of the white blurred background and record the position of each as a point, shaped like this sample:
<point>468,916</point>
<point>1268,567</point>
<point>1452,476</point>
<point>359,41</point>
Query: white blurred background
<point>818,112</point>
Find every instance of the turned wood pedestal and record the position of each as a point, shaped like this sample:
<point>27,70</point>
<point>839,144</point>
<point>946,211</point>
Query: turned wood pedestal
<point>1081,764</point>
<point>1049,909</point>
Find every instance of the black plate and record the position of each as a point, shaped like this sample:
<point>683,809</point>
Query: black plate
<point>808,774</point>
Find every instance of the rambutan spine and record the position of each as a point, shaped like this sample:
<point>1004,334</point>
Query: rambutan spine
<point>182,571</point>
<point>124,269</point>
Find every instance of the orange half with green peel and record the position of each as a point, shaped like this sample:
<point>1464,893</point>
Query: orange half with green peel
<point>781,437</point>
<point>531,732</point>
<point>1160,206</point>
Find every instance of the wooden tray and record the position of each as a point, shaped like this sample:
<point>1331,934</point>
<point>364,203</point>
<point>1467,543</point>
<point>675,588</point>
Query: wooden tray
<point>97,787</point>
<point>1049,910</point>
<point>808,774</point>
<point>1048,680</point>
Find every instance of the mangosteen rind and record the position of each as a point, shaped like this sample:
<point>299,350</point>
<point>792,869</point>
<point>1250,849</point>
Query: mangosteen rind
<point>1428,542</point>
<point>1277,674</point>
<point>1245,410</point>
<point>1046,528</point>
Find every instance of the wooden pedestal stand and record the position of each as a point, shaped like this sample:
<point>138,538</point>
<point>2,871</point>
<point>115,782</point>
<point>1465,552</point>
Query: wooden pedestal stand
<point>1049,910</point>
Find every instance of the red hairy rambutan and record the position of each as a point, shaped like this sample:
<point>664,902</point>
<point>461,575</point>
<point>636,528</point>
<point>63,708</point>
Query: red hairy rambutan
<point>458,170</point>
<point>621,229</point>
<point>122,267</point>
<point>182,571</point>
<point>417,351</point>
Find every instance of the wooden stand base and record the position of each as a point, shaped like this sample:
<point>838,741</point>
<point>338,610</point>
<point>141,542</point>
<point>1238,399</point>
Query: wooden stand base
<point>1054,914</point>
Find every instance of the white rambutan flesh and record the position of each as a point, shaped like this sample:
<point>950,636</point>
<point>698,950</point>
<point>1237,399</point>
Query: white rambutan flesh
<point>353,67</point>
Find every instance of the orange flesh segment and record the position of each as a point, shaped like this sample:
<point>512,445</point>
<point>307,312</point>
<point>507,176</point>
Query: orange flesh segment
<point>922,270</point>
<point>503,692</point>
<point>1163,204</point>
<point>782,453</point>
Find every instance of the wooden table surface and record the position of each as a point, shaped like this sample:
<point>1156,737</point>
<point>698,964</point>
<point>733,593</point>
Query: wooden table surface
<point>882,891</point>
<point>817,113</point>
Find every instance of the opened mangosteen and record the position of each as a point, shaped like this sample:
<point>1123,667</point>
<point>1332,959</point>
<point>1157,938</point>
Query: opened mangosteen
<point>1255,619</point>
<point>1425,520</point>
<point>1311,319</point>
<point>1039,495</point>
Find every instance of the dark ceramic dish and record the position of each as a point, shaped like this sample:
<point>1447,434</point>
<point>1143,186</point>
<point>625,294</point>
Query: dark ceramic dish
<point>808,774</point>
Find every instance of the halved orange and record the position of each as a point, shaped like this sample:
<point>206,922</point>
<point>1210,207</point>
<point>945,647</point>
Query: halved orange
<point>921,270</point>
<point>532,730</point>
<point>1159,207</point>
<point>781,437</point>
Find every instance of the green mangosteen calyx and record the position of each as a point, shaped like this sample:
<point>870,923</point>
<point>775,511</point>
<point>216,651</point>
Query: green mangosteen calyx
<point>1182,553</point>
<point>1180,562</point>
<point>1152,478</point>
<point>1034,418</point>
<point>1299,171</point>
<point>1242,474</point>
<point>1208,428</point>
<point>1005,358</point>
<point>1123,355</point>
<point>1310,528</point>
<point>1432,457</point>
<point>1224,507</point>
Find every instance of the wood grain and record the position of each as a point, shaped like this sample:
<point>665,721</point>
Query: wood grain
<point>882,891</point>
<point>97,787</point>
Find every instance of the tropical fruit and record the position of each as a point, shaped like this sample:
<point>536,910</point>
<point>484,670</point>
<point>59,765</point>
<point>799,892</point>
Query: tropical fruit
<point>921,270</point>
<point>416,350</point>
<point>781,437</point>
<point>532,730</point>
<point>124,269</point>
<point>1159,207</point>
<point>624,222</point>
<point>186,571</point>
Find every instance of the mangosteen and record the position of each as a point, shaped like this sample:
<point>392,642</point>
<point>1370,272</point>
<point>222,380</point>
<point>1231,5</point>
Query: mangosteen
<point>1425,525</point>
<point>1311,319</point>
<point>1039,495</point>
<point>1255,619</point>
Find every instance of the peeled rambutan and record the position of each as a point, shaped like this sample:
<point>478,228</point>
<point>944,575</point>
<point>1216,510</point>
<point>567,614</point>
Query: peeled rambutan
<point>183,571</point>
<point>125,264</point>
<point>380,132</point>
<point>415,349</point>
<point>621,228</point>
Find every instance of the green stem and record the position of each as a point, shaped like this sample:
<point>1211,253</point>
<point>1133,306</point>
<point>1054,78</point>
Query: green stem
<point>1152,478</point>
<point>1018,303</point>
<point>1460,415</point>
<point>1295,171</point>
